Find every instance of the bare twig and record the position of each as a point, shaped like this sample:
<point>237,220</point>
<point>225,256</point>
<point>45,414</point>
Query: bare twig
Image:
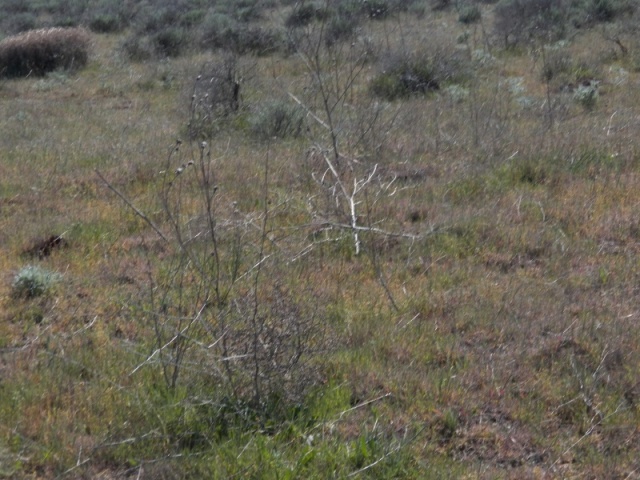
<point>132,206</point>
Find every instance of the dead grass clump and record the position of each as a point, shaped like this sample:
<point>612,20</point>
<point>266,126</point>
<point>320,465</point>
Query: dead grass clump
<point>38,52</point>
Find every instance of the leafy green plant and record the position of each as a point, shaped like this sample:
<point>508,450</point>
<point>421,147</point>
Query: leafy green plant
<point>33,281</point>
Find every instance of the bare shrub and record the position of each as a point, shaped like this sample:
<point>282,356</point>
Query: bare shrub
<point>38,52</point>
<point>221,307</point>
<point>215,97</point>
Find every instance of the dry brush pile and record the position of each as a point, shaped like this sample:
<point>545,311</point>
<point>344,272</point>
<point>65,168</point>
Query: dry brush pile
<point>38,52</point>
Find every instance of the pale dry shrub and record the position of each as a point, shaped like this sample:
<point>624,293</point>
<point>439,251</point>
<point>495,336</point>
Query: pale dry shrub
<point>38,52</point>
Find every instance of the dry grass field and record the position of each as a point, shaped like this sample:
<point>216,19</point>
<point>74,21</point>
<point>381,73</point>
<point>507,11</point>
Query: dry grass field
<point>398,244</point>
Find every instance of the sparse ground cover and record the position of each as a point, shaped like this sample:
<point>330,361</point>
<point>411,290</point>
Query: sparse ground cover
<point>382,239</point>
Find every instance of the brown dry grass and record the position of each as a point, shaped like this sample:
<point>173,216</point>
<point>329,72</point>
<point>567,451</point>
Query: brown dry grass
<point>38,52</point>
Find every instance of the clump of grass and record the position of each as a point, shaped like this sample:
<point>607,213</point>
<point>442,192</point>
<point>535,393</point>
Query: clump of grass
<point>38,52</point>
<point>33,281</point>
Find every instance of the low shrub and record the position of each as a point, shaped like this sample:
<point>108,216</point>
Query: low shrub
<point>277,119</point>
<point>106,23</point>
<point>340,27</point>
<point>520,21</point>
<point>302,15</point>
<point>22,22</point>
<point>170,42</point>
<point>33,281</point>
<point>376,9</point>
<point>469,14</point>
<point>137,48</point>
<point>218,30</point>
<point>405,77</point>
<point>38,52</point>
<point>258,40</point>
<point>437,5</point>
<point>193,17</point>
<point>557,62</point>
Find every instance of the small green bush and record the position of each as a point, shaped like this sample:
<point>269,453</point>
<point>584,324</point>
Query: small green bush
<point>340,27</point>
<point>137,48</point>
<point>405,77</point>
<point>38,52</point>
<point>438,5</point>
<point>469,14</point>
<point>301,16</point>
<point>557,62</point>
<point>277,119</point>
<point>218,30</point>
<point>193,17</point>
<point>376,9</point>
<point>258,40</point>
<point>22,22</point>
<point>33,281</point>
<point>170,42</point>
<point>106,23</point>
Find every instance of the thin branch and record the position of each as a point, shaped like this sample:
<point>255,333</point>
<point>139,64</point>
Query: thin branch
<point>309,112</point>
<point>132,206</point>
<point>176,336</point>
<point>381,459</point>
<point>363,404</point>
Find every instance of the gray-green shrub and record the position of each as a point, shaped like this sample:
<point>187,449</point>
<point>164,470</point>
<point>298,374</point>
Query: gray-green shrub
<point>277,119</point>
<point>107,23</point>
<point>469,14</point>
<point>405,76</point>
<point>33,281</point>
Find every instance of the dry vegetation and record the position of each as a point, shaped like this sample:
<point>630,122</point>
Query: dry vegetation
<point>373,241</point>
